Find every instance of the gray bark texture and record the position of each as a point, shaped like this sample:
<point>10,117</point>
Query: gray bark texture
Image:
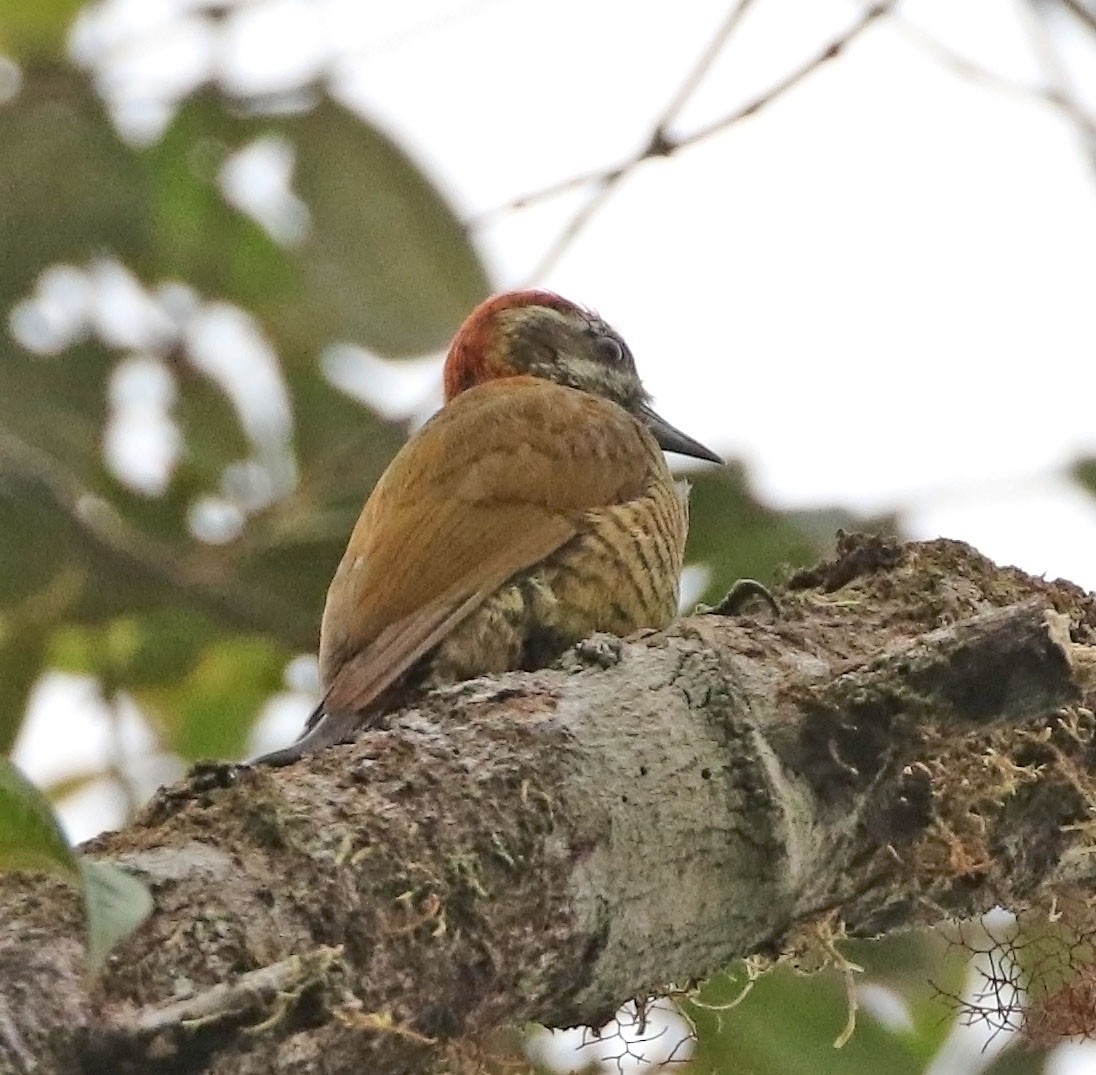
<point>911,740</point>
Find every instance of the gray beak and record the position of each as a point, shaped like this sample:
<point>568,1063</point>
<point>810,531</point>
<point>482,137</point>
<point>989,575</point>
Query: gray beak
<point>673,440</point>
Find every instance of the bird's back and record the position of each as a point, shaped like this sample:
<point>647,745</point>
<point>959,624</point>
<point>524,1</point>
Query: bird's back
<point>523,518</point>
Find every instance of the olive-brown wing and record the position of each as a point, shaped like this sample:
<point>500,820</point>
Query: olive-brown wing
<point>496,482</point>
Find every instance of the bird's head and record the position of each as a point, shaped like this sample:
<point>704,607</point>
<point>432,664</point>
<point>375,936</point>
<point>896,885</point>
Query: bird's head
<point>540,334</point>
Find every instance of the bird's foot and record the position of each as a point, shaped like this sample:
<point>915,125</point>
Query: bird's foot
<point>740,595</point>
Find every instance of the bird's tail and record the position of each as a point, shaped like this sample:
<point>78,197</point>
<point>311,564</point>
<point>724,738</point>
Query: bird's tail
<point>322,729</point>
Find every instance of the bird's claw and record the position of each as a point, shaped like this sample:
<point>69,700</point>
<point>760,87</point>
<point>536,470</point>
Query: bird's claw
<point>740,595</point>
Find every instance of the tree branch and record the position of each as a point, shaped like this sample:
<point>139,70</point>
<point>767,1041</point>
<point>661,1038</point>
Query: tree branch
<point>912,739</point>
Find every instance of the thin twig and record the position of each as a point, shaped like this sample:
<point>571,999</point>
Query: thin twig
<point>579,219</point>
<point>1045,49</point>
<point>960,64</point>
<point>693,79</point>
<point>606,183</point>
<point>602,175</point>
<point>966,68</point>
<point>1062,85</point>
<point>1080,12</point>
<point>661,144</point>
<point>831,51</point>
<point>254,989</point>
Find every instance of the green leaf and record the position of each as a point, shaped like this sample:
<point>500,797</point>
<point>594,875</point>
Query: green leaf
<point>925,971</point>
<point>30,834</point>
<point>116,903</point>
<point>31,839</point>
<point>384,263</point>
<point>155,649</point>
<point>197,236</point>
<point>921,968</point>
<point>1021,1058</point>
<point>72,784</point>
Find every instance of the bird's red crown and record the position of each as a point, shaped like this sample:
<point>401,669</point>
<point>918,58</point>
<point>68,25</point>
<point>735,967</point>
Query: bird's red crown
<point>481,349</point>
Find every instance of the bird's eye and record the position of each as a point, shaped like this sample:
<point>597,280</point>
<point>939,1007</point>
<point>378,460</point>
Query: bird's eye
<point>609,349</point>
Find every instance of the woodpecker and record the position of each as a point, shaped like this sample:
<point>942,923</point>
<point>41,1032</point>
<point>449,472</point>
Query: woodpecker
<point>534,509</point>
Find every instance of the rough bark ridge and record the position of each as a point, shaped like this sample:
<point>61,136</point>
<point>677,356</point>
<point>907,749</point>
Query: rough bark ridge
<point>911,739</point>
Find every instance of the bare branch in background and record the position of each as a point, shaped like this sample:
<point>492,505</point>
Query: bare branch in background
<point>1057,94</point>
<point>1076,8</point>
<point>702,66</point>
<point>1062,86</point>
<point>661,143</point>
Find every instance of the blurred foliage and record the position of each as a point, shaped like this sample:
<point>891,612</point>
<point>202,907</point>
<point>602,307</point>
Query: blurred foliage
<point>737,537</point>
<point>102,578</point>
<point>1084,472</point>
<point>33,31</point>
